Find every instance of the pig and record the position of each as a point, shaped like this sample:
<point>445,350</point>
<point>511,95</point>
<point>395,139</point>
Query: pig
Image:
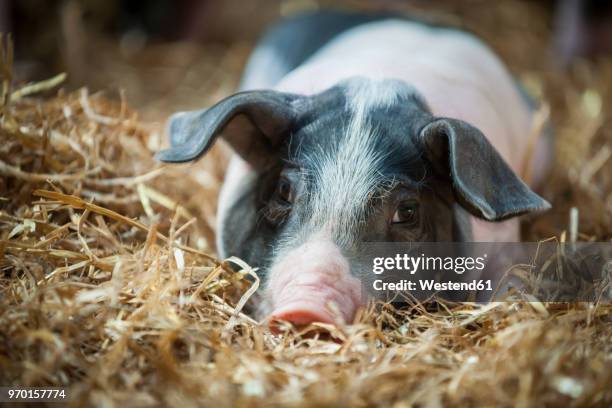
<point>352,128</point>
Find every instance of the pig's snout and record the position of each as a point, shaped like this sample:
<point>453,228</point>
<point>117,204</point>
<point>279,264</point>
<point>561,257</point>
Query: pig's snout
<point>313,283</point>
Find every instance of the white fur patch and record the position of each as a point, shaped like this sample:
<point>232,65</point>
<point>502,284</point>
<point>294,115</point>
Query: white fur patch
<point>363,93</point>
<point>348,175</point>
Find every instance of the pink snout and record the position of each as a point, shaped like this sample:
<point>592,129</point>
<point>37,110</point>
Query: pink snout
<point>313,283</point>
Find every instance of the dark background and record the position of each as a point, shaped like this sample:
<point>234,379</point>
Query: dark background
<point>164,49</point>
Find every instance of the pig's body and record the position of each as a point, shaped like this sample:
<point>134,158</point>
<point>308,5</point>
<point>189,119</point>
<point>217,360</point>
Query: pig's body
<point>376,130</point>
<point>456,73</point>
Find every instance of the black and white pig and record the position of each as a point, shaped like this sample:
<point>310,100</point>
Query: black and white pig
<point>354,128</point>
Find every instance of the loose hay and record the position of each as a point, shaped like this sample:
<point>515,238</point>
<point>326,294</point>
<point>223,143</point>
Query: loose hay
<point>107,288</point>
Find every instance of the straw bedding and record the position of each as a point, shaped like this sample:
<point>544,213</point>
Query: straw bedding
<point>109,285</point>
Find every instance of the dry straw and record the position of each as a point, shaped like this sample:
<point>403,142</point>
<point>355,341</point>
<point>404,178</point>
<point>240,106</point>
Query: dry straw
<point>107,288</point>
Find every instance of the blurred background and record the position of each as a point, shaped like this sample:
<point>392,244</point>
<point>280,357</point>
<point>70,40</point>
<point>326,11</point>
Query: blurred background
<point>164,56</point>
<point>165,53</point>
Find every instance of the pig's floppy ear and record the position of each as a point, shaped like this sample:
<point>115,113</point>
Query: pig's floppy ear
<point>482,181</point>
<point>252,122</point>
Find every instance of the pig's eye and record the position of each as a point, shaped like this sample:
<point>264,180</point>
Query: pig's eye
<point>285,190</point>
<point>407,213</point>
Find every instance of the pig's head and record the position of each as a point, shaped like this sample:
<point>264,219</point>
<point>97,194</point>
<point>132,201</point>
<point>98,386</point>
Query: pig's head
<point>363,161</point>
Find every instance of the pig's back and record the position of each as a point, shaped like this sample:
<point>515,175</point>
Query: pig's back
<point>456,73</point>
<point>287,44</point>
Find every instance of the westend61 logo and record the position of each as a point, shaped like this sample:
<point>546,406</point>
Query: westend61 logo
<point>400,266</point>
<point>485,271</point>
<point>412,264</point>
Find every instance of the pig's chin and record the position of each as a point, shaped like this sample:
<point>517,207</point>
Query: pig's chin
<point>311,284</point>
